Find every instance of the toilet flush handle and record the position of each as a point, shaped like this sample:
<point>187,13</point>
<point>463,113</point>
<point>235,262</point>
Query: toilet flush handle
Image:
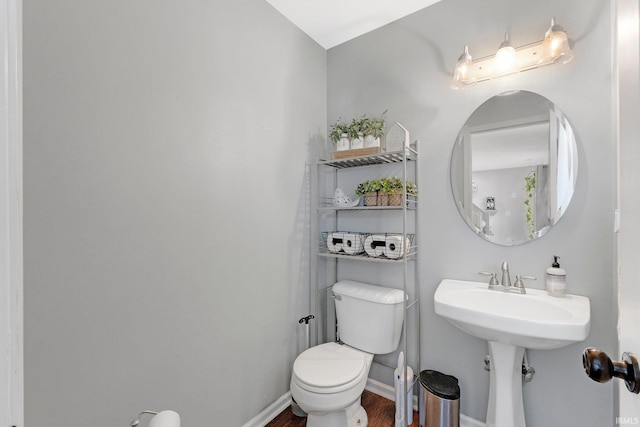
<point>599,367</point>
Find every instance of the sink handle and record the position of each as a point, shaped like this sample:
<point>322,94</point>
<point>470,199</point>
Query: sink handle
<point>600,368</point>
<point>519,284</point>
<point>493,281</point>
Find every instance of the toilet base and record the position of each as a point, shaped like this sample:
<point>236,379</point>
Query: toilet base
<point>353,416</point>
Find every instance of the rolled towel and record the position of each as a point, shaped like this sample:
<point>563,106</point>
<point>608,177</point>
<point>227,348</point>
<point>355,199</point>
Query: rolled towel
<point>374,245</point>
<point>335,241</point>
<point>353,243</point>
<point>395,246</point>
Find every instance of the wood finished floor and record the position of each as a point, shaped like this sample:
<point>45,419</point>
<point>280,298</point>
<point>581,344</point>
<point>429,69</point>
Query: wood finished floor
<point>380,411</point>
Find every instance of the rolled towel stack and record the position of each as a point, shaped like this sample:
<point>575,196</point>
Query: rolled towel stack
<point>390,245</point>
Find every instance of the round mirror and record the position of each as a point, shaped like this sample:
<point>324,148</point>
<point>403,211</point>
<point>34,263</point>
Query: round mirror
<point>514,168</point>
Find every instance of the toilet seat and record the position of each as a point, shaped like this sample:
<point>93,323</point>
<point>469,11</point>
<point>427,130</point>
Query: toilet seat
<point>330,368</point>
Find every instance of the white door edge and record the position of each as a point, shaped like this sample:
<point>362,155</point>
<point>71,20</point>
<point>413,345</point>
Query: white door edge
<point>11,257</point>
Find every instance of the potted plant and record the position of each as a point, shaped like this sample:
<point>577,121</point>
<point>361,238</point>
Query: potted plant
<point>339,134</point>
<point>370,191</point>
<point>386,187</point>
<point>395,188</point>
<point>373,130</point>
<point>356,135</point>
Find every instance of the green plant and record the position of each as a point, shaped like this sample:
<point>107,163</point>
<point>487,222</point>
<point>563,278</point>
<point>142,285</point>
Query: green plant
<point>373,126</point>
<point>355,128</point>
<point>360,189</point>
<point>392,185</point>
<point>371,186</point>
<point>412,188</point>
<point>365,125</point>
<point>339,128</point>
<point>529,188</point>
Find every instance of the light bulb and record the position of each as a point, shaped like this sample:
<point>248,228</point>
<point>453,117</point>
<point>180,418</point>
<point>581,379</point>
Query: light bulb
<point>505,60</point>
<point>555,45</point>
<point>463,73</point>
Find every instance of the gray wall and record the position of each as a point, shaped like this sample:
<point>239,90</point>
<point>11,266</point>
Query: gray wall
<point>406,67</point>
<point>166,207</point>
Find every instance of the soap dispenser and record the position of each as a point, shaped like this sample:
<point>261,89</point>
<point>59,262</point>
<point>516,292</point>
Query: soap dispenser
<point>556,279</point>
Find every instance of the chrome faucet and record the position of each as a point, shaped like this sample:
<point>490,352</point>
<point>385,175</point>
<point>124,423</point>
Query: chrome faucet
<point>505,285</point>
<point>506,278</point>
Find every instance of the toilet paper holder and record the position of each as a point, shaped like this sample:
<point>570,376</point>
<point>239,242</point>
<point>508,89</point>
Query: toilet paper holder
<point>599,367</point>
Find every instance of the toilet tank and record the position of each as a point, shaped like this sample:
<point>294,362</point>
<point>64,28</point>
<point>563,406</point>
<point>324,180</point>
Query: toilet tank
<point>369,317</point>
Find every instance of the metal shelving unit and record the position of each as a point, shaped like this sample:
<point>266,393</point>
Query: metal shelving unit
<point>327,218</point>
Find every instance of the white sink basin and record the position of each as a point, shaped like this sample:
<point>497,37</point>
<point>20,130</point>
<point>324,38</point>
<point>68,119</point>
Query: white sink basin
<point>534,320</point>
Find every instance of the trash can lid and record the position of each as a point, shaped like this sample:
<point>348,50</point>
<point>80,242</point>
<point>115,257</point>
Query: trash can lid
<point>443,386</point>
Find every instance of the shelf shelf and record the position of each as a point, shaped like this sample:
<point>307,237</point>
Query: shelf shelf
<point>374,159</point>
<point>366,258</point>
<point>326,204</point>
<point>400,271</point>
<point>366,208</point>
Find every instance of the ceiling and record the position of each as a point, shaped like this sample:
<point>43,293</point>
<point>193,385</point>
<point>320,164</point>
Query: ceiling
<point>331,22</point>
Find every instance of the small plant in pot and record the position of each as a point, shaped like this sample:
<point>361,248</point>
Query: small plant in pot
<point>373,130</point>
<point>395,188</point>
<point>339,133</point>
<point>387,187</point>
<point>356,135</point>
<point>369,189</point>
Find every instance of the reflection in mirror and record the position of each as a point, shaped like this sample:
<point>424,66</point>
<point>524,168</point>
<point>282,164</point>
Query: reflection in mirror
<point>514,168</point>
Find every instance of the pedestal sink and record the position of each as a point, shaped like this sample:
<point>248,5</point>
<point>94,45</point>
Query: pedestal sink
<point>511,323</point>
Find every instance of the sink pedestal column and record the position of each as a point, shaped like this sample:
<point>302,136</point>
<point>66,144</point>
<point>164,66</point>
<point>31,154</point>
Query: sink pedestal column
<point>506,408</point>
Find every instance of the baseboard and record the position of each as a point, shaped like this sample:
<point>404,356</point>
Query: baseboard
<point>388,392</point>
<point>470,422</point>
<point>270,412</point>
<point>377,387</point>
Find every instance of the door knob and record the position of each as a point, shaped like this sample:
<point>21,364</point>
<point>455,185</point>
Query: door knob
<point>599,367</point>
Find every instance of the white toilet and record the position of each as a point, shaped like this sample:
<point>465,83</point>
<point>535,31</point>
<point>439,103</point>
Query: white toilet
<point>328,379</point>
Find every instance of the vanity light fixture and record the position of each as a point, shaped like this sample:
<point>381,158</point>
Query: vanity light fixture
<point>509,59</point>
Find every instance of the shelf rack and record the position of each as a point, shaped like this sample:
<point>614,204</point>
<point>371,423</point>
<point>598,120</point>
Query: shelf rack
<point>322,207</point>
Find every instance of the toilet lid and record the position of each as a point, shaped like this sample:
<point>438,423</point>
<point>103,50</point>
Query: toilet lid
<point>330,365</point>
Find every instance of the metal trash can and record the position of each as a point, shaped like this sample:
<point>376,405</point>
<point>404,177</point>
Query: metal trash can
<point>439,404</point>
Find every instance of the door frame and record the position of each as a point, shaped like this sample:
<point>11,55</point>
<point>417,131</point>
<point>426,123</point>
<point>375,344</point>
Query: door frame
<point>626,97</point>
<point>11,247</point>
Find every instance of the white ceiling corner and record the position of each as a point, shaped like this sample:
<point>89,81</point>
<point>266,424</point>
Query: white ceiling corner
<point>332,22</point>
